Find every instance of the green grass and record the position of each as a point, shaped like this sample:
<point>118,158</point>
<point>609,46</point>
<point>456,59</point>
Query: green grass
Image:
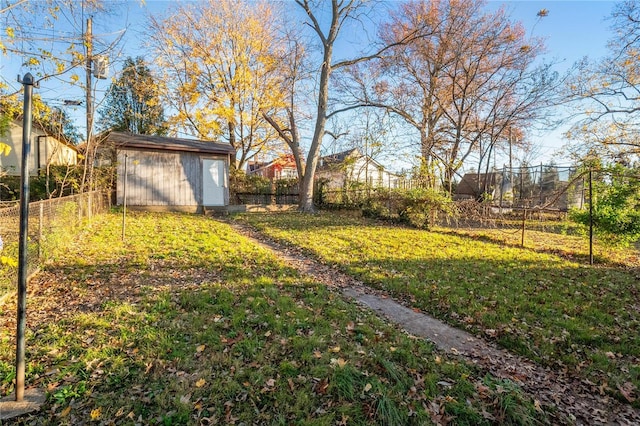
<point>186,322</point>
<point>542,305</point>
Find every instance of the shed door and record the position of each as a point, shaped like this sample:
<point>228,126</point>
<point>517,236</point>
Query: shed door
<point>214,182</point>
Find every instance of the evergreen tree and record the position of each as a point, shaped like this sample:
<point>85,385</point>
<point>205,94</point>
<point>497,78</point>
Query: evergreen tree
<point>132,103</point>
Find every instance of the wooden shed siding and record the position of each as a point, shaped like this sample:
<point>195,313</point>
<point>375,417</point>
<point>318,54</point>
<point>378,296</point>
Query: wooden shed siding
<point>160,178</point>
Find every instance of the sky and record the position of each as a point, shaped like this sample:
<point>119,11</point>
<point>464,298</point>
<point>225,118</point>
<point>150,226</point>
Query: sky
<point>571,30</point>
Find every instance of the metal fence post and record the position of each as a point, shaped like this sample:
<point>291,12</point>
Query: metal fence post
<point>590,217</point>
<point>28,82</point>
<point>40,228</point>
<point>124,198</point>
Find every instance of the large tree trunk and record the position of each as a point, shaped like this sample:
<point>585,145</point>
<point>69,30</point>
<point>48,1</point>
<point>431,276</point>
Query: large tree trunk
<point>306,194</point>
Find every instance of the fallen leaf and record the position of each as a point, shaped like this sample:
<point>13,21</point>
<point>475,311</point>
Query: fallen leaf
<point>96,413</point>
<point>626,390</point>
<point>65,412</point>
<point>200,348</point>
<point>335,349</point>
<point>184,399</point>
<point>200,383</point>
<point>537,406</point>
<point>483,390</point>
<point>339,362</point>
<point>322,386</point>
<point>367,387</point>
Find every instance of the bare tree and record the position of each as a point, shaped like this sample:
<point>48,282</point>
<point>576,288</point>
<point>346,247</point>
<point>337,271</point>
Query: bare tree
<point>339,12</point>
<point>606,93</point>
<point>463,83</point>
<point>284,118</point>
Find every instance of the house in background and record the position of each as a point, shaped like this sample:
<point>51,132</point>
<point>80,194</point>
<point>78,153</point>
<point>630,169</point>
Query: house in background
<point>283,167</point>
<point>473,185</point>
<point>165,173</point>
<point>46,150</point>
<point>353,166</point>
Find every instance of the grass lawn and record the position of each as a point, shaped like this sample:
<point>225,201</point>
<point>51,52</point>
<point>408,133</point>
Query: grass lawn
<point>189,323</point>
<point>536,303</point>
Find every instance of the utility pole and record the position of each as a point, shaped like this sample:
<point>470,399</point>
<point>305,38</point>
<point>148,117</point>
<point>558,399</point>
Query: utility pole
<point>88,41</point>
<point>88,167</point>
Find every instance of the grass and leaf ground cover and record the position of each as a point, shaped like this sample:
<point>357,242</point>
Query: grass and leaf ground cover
<point>576,318</point>
<point>186,322</point>
<point>563,239</point>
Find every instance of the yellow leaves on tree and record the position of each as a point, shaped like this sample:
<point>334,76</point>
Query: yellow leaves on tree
<point>220,63</point>
<point>32,62</point>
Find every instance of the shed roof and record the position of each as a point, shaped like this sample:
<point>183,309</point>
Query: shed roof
<point>165,143</point>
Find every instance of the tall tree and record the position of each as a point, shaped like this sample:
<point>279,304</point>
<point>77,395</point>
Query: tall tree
<point>606,92</point>
<point>293,72</point>
<point>132,102</point>
<point>462,84</point>
<point>219,64</point>
<point>339,12</point>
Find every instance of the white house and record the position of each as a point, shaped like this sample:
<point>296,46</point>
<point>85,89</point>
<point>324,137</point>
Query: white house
<point>46,150</point>
<point>353,166</point>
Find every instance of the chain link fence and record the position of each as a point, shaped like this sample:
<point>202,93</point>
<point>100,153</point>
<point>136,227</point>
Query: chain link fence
<point>545,187</point>
<point>49,221</point>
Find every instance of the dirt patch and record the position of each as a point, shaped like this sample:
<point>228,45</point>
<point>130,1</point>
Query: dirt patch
<point>571,399</point>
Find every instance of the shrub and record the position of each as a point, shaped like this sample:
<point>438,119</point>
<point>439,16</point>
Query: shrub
<point>419,207</point>
<point>616,206</point>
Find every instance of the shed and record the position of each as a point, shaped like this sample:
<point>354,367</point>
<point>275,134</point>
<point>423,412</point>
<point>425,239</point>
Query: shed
<point>171,173</point>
